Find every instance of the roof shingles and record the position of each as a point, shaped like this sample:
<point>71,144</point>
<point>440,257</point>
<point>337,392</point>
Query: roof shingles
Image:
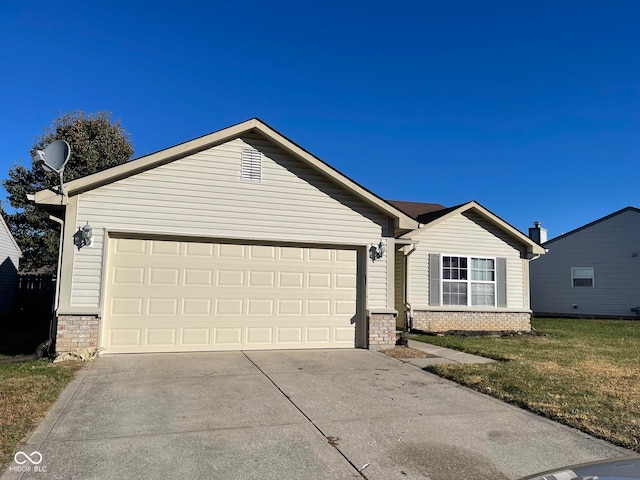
<point>422,212</point>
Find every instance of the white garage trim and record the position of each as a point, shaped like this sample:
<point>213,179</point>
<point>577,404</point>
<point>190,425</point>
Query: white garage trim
<point>169,295</point>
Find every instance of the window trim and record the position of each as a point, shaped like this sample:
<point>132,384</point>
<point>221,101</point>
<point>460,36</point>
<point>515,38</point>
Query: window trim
<point>592,278</point>
<point>469,281</point>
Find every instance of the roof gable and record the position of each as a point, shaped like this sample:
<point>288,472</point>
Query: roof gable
<point>5,227</point>
<point>252,126</point>
<point>595,222</point>
<point>435,216</point>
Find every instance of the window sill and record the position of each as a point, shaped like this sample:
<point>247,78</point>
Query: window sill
<point>458,308</point>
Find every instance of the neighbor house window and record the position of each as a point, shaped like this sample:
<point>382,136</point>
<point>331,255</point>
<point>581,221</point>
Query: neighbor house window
<point>251,165</point>
<point>468,281</point>
<point>582,276</point>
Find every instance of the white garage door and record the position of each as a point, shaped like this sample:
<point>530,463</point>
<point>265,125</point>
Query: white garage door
<point>171,296</point>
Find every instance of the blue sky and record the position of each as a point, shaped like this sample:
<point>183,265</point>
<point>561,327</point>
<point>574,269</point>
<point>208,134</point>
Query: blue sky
<point>531,108</point>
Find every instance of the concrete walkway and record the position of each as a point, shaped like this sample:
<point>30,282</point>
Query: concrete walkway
<point>442,355</point>
<point>317,414</point>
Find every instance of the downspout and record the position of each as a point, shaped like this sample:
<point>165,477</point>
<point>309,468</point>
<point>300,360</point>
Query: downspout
<point>56,301</point>
<point>407,306</point>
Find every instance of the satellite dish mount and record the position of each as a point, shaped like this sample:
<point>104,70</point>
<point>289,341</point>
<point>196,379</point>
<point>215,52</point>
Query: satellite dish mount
<point>54,158</point>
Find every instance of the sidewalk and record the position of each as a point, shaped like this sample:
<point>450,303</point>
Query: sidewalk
<point>442,355</point>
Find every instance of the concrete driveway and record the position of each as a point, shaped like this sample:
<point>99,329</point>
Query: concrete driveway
<point>322,414</point>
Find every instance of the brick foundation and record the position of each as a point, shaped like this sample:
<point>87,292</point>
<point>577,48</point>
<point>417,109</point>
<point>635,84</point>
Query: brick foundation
<point>443,321</point>
<point>382,330</point>
<point>76,331</point>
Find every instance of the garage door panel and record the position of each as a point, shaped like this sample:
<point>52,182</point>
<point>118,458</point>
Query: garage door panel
<point>162,306</point>
<point>127,246</point>
<point>289,335</point>
<point>128,337</point>
<point>319,307</point>
<point>196,306</point>
<point>229,306</point>
<point>187,296</point>
<point>290,307</point>
<point>260,307</point>
<point>198,277</point>
<point>228,336</point>
<point>126,306</point>
<point>260,251</point>
<point>290,280</point>
<point>128,275</point>
<point>165,337</point>
<point>261,278</point>
<point>259,336</point>
<point>199,250</point>
<point>319,255</point>
<point>164,276</point>
<point>319,335</point>
<point>346,256</point>
<point>344,335</point>
<point>230,278</point>
<point>195,336</point>
<point>292,253</point>
<point>164,247</point>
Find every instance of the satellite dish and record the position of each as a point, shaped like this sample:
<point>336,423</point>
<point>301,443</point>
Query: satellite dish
<point>54,158</point>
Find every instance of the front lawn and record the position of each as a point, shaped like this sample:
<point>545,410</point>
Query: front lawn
<point>583,373</point>
<point>27,391</point>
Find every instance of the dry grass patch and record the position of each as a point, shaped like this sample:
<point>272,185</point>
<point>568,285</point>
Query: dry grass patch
<point>406,352</point>
<point>27,391</point>
<point>583,373</point>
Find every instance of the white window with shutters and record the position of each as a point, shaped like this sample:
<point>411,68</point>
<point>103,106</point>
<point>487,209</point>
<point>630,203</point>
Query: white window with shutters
<point>469,281</point>
<point>251,165</point>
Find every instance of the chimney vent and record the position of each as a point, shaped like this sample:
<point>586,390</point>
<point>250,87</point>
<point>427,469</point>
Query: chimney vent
<point>537,233</point>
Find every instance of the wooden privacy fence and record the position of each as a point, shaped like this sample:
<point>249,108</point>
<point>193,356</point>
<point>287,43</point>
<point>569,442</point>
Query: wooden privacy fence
<point>35,294</point>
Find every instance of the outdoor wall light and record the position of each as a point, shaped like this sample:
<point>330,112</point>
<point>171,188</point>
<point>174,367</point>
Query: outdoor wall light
<point>83,237</point>
<point>376,252</point>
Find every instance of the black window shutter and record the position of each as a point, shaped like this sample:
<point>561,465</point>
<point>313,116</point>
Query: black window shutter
<point>434,279</point>
<point>501,281</point>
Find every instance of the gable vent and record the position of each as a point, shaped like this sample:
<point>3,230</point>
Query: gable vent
<point>251,165</point>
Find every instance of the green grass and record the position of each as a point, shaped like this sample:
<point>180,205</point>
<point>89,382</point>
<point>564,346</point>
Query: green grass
<point>583,373</point>
<point>27,391</point>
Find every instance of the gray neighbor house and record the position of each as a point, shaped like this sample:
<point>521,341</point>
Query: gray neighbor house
<point>592,271</point>
<point>9,259</point>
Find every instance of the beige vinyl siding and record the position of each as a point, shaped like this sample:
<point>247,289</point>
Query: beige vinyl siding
<point>202,195</point>
<point>465,234</point>
<point>607,246</point>
<point>9,258</point>
<point>87,271</point>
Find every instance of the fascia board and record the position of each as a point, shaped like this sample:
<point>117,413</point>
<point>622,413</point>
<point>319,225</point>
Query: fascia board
<point>49,197</point>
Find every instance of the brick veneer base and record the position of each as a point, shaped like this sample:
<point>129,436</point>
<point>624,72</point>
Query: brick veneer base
<point>76,331</point>
<point>382,330</point>
<point>443,321</point>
